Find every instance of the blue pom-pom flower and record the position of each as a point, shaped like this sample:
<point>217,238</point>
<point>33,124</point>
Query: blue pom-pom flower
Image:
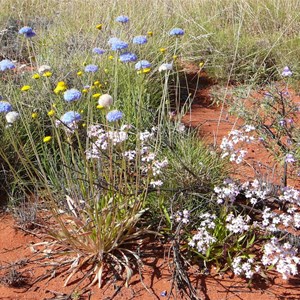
<point>139,40</point>
<point>72,95</point>
<point>6,64</point>
<point>98,51</point>
<point>122,19</point>
<point>176,32</point>
<point>114,115</point>
<point>70,117</point>
<point>142,64</point>
<point>118,45</point>
<point>128,57</point>
<point>27,32</point>
<point>5,107</point>
<point>91,68</point>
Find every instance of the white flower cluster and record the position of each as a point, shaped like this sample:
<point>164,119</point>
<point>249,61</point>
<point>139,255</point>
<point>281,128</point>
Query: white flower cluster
<point>237,224</point>
<point>229,145</point>
<point>255,191</point>
<point>103,138</point>
<point>182,216</point>
<point>244,267</point>
<point>203,239</point>
<point>229,191</point>
<point>283,257</point>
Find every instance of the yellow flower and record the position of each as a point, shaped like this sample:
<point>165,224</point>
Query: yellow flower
<point>47,74</point>
<point>54,105</point>
<point>36,76</point>
<point>25,88</point>
<point>85,91</point>
<point>34,115</point>
<point>150,33</point>
<point>47,139</point>
<point>99,26</point>
<point>162,50</point>
<point>81,111</point>
<point>83,125</point>
<point>111,57</point>
<point>144,71</point>
<point>100,106</point>
<point>79,73</point>
<point>175,57</point>
<point>96,95</point>
<point>97,83</point>
<point>201,64</point>
<point>51,113</point>
<point>60,87</point>
<point>106,71</point>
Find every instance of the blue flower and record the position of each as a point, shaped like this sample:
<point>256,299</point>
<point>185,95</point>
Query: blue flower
<point>122,19</point>
<point>113,40</point>
<point>140,40</point>
<point>91,68</point>
<point>6,64</point>
<point>70,117</point>
<point>176,31</point>
<point>286,72</point>
<point>5,107</point>
<point>128,57</point>
<point>98,51</point>
<point>114,115</point>
<point>72,95</point>
<point>142,64</point>
<point>27,31</point>
<point>118,45</point>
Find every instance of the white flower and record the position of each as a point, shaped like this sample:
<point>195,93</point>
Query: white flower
<point>12,116</point>
<point>44,68</point>
<point>165,67</point>
<point>105,100</point>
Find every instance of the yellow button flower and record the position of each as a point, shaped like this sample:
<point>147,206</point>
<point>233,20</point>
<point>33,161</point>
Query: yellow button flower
<point>51,113</point>
<point>34,115</point>
<point>60,87</point>
<point>111,57</point>
<point>47,139</point>
<point>25,88</point>
<point>150,33</point>
<point>79,73</point>
<point>36,76</point>
<point>175,57</point>
<point>99,26</point>
<point>96,95</point>
<point>97,83</point>
<point>47,74</point>
<point>162,50</point>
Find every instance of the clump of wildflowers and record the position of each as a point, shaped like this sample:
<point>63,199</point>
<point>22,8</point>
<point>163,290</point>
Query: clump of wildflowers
<point>114,115</point>
<point>6,64</point>
<point>72,95</point>
<point>283,257</point>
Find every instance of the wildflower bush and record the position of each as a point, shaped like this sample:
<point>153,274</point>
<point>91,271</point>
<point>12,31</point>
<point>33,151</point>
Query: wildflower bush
<point>91,125</point>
